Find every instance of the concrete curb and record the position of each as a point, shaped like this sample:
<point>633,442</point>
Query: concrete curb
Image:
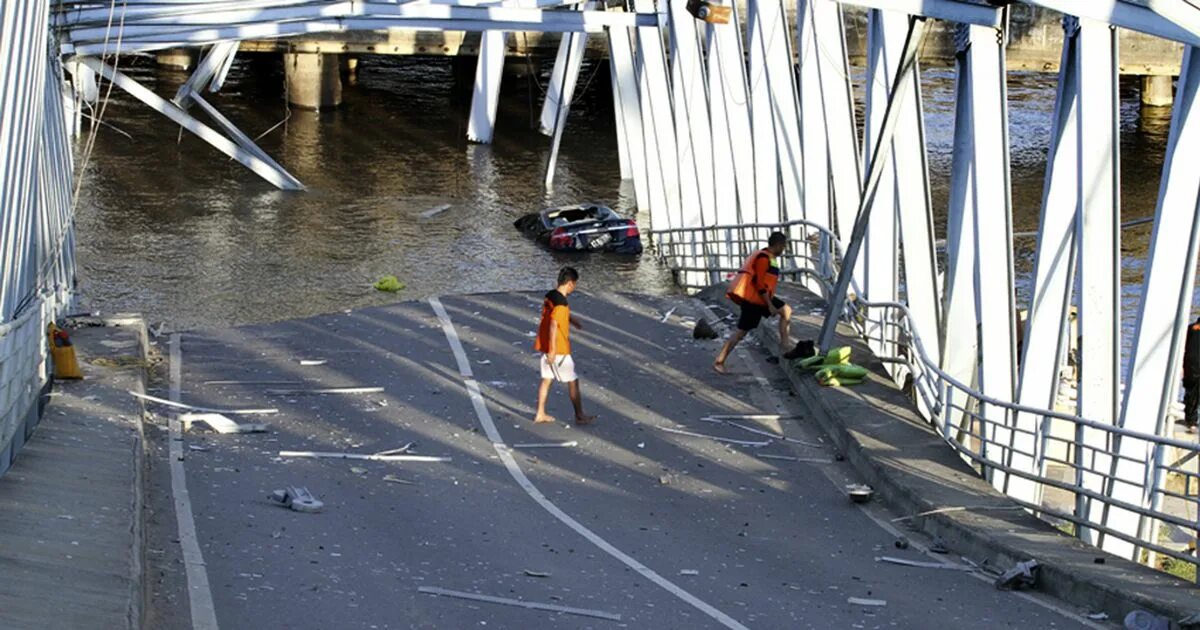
<point>912,469</point>
<point>138,593</point>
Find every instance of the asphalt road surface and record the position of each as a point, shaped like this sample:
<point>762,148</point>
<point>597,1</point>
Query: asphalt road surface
<point>661,529</point>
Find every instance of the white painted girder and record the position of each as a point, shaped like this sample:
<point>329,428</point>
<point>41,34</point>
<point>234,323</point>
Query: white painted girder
<point>731,126</point>
<point>1166,305</point>
<point>485,92</point>
<point>625,79</point>
<point>693,130</point>
<point>1098,236</point>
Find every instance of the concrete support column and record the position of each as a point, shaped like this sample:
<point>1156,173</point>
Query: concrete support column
<point>1157,90</point>
<point>177,58</point>
<point>313,80</point>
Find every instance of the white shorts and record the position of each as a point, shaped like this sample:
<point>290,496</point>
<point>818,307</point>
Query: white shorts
<point>562,371</point>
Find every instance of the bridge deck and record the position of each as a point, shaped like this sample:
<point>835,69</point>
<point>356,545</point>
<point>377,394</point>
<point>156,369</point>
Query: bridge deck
<point>775,543</point>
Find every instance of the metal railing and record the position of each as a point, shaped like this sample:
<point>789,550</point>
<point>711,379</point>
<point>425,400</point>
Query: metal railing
<point>981,428</point>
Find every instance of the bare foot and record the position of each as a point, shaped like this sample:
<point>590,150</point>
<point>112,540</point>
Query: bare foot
<point>585,419</point>
<point>719,368</point>
<point>543,419</point>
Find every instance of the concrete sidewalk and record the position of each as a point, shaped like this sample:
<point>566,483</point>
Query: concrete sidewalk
<point>70,550</point>
<point>915,471</point>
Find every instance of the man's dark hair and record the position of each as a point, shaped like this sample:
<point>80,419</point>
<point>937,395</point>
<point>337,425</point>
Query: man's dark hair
<point>776,238</point>
<point>567,274</point>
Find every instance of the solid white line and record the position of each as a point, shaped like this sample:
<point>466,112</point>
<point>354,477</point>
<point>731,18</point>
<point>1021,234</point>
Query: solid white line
<point>204,614</point>
<point>514,469</point>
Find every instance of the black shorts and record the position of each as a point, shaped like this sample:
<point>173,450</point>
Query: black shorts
<point>752,314</point>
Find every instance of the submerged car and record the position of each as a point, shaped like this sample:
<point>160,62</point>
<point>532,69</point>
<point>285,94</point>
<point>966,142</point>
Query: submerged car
<point>582,228</point>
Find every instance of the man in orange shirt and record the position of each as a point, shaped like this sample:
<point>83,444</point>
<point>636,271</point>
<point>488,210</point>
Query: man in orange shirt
<point>554,342</point>
<point>753,290</point>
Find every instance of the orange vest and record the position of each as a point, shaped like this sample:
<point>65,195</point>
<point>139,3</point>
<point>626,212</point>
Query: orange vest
<point>745,285</point>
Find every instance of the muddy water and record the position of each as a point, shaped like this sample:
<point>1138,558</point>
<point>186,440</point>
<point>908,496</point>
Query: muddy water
<point>171,228</point>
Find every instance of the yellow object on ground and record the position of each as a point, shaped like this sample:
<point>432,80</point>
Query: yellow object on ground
<point>390,284</point>
<point>66,364</point>
<point>836,356</point>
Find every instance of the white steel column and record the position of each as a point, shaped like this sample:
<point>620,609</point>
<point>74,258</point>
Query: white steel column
<point>1166,304</point>
<point>656,104</point>
<point>877,276</point>
<point>814,138</point>
<point>776,43</point>
<point>1054,263</point>
<point>993,245</point>
<point>693,130</point>
<point>960,338</point>
<point>485,95</point>
<point>731,125</point>
<point>1098,235</point>
<point>564,77</point>
<point>763,132</point>
<point>619,122</point>
<point>845,161</point>
<point>625,87</point>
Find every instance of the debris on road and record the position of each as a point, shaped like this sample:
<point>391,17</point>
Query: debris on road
<point>1142,620</point>
<point>326,390</point>
<point>358,470</point>
<point>220,423</point>
<point>236,382</point>
<point>863,601</point>
<point>902,543</point>
<point>178,405</point>
<point>1023,575</point>
<point>536,574</point>
<point>434,211</point>
<point>714,437</point>
<point>774,436</point>
<point>311,362</point>
<point>389,284</point>
<point>1098,616</point>
<point>197,447</point>
<point>752,416</point>
<point>395,479</point>
<point>374,457</point>
<point>688,572</point>
<point>704,330</point>
<point>918,563</point>
<point>803,460</point>
<point>859,493</point>
<point>668,314</point>
<point>583,612</point>
<point>297,499</point>
<point>568,444</point>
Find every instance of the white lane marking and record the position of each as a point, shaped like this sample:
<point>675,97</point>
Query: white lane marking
<point>204,614</point>
<point>756,372</point>
<point>514,470</point>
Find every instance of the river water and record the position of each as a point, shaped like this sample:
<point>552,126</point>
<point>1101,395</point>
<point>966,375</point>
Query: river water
<point>171,228</point>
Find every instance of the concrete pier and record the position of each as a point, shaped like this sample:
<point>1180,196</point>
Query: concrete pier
<point>314,80</point>
<point>1158,90</point>
<point>176,58</point>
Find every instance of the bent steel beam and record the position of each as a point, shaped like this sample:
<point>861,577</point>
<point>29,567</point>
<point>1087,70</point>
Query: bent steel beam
<point>879,158</point>
<point>265,169</point>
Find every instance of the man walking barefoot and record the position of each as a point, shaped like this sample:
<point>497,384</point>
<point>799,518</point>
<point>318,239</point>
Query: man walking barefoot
<point>753,290</point>
<point>554,342</point>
